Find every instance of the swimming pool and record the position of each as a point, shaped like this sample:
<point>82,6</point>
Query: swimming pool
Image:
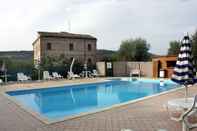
<point>56,103</point>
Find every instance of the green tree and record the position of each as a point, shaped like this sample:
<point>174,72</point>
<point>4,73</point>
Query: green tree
<point>14,66</point>
<point>56,63</point>
<point>174,48</point>
<point>114,57</point>
<point>141,51</point>
<point>194,47</point>
<point>61,65</point>
<point>134,50</point>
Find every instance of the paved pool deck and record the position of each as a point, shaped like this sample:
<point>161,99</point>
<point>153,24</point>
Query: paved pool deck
<point>146,115</point>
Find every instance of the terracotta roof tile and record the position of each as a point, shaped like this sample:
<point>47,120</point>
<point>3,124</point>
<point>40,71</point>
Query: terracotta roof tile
<point>66,34</point>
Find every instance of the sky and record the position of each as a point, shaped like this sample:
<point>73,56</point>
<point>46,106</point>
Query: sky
<point>111,21</point>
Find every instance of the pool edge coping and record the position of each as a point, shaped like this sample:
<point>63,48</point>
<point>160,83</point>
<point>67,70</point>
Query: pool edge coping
<point>47,121</point>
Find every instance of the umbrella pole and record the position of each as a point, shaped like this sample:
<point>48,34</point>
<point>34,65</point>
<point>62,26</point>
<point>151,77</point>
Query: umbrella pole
<point>186,92</point>
<point>5,75</point>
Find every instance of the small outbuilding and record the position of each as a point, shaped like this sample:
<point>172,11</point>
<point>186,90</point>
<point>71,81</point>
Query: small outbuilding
<point>163,66</point>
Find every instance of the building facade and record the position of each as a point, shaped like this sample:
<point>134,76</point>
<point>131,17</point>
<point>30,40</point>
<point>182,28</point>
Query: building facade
<point>164,63</point>
<point>54,44</point>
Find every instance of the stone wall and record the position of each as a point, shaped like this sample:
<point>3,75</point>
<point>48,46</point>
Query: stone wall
<point>37,51</point>
<point>122,68</point>
<point>100,66</point>
<point>80,52</point>
<point>145,67</point>
<point>60,46</point>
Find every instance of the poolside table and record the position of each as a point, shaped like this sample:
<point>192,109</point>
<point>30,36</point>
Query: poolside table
<point>177,107</point>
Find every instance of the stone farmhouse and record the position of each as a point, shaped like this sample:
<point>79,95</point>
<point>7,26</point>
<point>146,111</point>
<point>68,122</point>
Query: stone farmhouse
<point>82,47</point>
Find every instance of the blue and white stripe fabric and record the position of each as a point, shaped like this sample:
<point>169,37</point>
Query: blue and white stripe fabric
<point>184,72</point>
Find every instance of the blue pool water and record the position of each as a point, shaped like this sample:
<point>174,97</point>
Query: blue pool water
<point>59,102</point>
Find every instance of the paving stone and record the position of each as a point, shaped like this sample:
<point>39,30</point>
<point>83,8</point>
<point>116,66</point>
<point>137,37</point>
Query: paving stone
<point>146,115</point>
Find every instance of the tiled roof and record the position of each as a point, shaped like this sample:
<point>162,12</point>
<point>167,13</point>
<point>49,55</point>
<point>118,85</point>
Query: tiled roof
<point>66,34</point>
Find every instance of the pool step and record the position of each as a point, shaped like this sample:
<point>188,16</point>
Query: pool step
<point>133,130</point>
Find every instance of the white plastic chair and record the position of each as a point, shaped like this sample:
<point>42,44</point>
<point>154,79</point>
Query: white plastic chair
<point>187,125</point>
<point>47,76</point>
<point>71,75</point>
<point>135,72</point>
<point>22,77</point>
<point>19,76</point>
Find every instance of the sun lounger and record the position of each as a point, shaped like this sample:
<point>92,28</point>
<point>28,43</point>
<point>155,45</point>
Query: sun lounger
<point>71,75</point>
<point>135,72</point>
<point>56,75</point>
<point>22,77</point>
<point>47,76</point>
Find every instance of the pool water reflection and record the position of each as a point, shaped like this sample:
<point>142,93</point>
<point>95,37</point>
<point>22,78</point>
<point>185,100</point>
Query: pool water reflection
<point>58,102</point>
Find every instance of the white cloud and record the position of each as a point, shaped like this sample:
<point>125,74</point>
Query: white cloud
<point>111,21</point>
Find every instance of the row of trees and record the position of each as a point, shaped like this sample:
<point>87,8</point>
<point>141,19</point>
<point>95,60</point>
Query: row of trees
<point>62,65</point>
<point>12,66</point>
<point>132,50</point>
<point>52,64</point>
<point>174,48</point>
<point>138,49</point>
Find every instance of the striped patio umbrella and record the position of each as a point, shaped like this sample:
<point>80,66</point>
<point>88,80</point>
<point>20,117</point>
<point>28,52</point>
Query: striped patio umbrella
<point>184,71</point>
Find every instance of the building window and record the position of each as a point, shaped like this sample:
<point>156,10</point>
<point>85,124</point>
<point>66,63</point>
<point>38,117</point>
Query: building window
<point>48,46</point>
<point>171,64</point>
<point>71,47</point>
<point>89,47</point>
<point>89,61</point>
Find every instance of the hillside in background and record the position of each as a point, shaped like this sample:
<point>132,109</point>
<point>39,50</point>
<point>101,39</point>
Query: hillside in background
<point>102,54</point>
<point>154,55</point>
<point>23,55</point>
<point>26,55</point>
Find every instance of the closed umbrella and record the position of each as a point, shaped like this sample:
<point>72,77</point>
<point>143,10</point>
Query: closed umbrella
<point>184,71</point>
